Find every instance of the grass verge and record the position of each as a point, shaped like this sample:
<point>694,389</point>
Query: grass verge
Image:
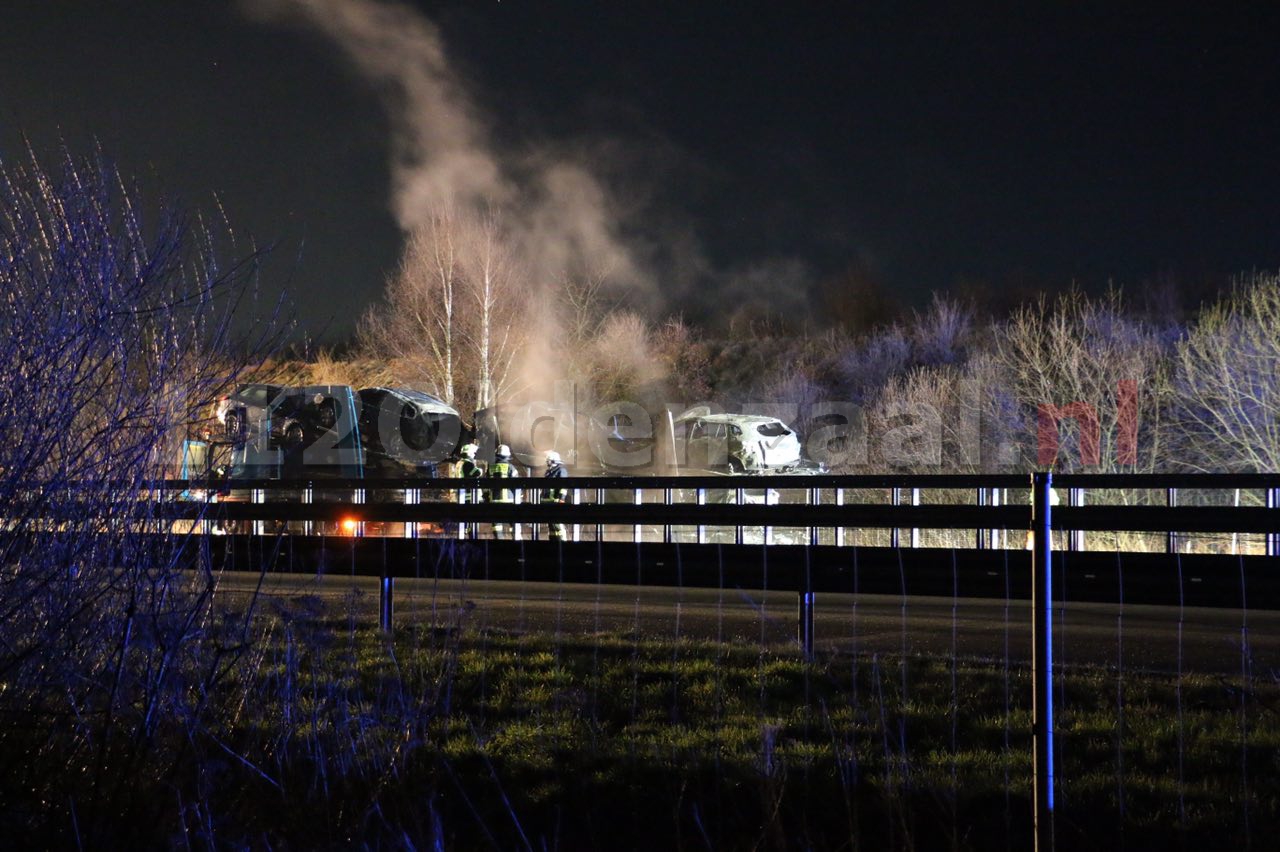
<point>323,732</point>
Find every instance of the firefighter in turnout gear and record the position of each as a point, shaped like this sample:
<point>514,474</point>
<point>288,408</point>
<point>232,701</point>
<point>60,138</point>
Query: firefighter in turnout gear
<point>502,468</point>
<point>469,468</point>
<point>555,494</point>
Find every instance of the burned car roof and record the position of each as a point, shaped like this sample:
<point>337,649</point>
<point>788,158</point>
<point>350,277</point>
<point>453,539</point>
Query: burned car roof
<point>732,418</point>
<point>700,413</point>
<point>424,401</point>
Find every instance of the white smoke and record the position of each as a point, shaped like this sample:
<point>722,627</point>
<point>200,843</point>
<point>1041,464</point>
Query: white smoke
<point>562,217</point>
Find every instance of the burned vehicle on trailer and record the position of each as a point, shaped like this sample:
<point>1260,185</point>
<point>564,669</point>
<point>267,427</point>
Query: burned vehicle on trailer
<point>331,432</point>
<point>739,443</point>
<point>311,431</point>
<point>243,408</point>
<point>406,432</point>
<point>278,416</point>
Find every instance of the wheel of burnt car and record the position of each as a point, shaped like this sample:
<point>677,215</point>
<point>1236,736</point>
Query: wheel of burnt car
<point>232,423</point>
<point>735,466</point>
<point>327,415</point>
<point>293,434</point>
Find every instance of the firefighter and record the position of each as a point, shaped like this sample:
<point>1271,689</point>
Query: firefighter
<point>555,494</point>
<point>469,468</point>
<point>502,468</point>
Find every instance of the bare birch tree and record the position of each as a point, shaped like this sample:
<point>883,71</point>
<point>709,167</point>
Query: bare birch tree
<point>453,315</point>
<point>417,325</point>
<point>495,289</point>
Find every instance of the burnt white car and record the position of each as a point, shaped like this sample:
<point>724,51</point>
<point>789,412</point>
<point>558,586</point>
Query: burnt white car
<point>740,442</point>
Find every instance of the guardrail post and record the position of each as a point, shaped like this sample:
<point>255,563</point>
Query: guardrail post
<point>738,497</point>
<point>1042,657</point>
<point>577,527</point>
<point>386,603</point>
<point>517,495</point>
<point>815,498</point>
<point>412,497</point>
<point>895,498</point>
<point>804,623</point>
<point>980,535</point>
<point>637,528</point>
<point>599,526</point>
<point>1171,537</point>
<point>308,497</point>
<point>767,532</point>
<point>999,537</point>
<point>1075,538</point>
<point>1273,538</point>
<point>463,497</point>
<point>666,528</point>
<point>839,530</point>
<point>258,495</point>
<point>700,497</point>
<point>915,531</point>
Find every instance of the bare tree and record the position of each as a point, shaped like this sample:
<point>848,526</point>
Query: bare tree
<point>1087,364</point>
<point>498,295</point>
<point>418,324</point>
<point>685,358</point>
<point>452,315</point>
<point>622,358</point>
<point>1227,384</point>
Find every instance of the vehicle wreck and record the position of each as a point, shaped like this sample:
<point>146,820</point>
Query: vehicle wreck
<point>739,443</point>
<point>407,432</point>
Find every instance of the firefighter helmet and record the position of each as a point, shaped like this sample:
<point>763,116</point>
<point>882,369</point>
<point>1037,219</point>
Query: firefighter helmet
<point>469,451</point>
<point>504,452</point>
<point>553,458</point>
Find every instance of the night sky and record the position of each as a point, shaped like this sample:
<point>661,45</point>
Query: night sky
<point>742,150</point>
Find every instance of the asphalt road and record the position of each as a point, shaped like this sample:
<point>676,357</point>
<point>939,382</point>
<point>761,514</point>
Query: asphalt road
<point>1130,637</point>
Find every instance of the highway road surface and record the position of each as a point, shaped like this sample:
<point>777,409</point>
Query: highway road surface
<point>1160,639</point>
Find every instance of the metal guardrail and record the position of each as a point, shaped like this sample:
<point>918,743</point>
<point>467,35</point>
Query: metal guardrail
<point>714,511</point>
<point>744,501</point>
<point>814,524</point>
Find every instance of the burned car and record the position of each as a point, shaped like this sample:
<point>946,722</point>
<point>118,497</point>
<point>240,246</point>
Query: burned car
<point>300,418</point>
<point>407,432</point>
<point>277,416</point>
<point>742,443</point>
<point>244,407</point>
<point>311,432</point>
<point>313,427</point>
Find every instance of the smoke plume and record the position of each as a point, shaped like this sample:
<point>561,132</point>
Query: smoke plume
<point>560,215</point>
